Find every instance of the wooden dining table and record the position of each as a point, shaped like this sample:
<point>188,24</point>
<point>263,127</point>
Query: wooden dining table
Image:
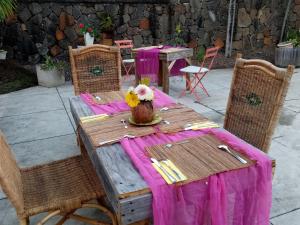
<point>127,193</point>
<point>167,59</point>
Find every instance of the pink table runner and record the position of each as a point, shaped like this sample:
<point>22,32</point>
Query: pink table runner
<point>147,64</point>
<point>160,100</point>
<point>240,197</point>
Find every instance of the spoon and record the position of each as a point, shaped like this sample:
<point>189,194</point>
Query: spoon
<point>166,122</point>
<point>164,109</point>
<point>226,149</point>
<point>124,123</point>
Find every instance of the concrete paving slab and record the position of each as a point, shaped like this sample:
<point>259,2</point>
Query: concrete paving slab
<point>46,150</point>
<point>8,215</point>
<point>293,105</point>
<point>286,182</point>
<point>31,91</point>
<point>67,87</point>
<point>65,96</point>
<point>289,133</point>
<point>12,105</point>
<point>36,126</point>
<point>291,218</point>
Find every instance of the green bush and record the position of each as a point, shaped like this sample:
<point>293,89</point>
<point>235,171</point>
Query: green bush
<point>51,64</point>
<point>294,37</point>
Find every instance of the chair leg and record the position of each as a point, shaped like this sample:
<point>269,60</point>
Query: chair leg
<point>24,221</point>
<point>48,217</point>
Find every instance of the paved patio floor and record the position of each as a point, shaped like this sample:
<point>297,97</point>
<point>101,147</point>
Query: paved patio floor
<point>38,124</point>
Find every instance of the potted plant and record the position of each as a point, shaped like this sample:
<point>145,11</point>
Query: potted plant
<point>177,39</point>
<point>106,26</point>
<point>140,99</point>
<point>88,32</point>
<point>51,72</point>
<point>288,52</point>
<point>7,8</point>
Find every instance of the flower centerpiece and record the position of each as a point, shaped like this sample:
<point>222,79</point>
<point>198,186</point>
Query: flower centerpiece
<point>140,99</point>
<point>89,33</point>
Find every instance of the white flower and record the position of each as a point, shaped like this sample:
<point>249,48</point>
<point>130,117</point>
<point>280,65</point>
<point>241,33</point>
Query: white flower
<point>144,93</point>
<point>130,89</point>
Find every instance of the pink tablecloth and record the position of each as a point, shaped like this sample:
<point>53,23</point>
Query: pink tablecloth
<point>147,64</point>
<point>160,100</point>
<point>240,197</point>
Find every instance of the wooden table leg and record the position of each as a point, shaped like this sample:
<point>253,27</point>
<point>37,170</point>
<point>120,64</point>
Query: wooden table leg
<point>188,78</point>
<point>160,74</point>
<point>137,79</point>
<point>165,76</point>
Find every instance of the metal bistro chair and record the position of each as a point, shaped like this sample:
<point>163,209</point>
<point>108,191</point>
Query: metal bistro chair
<point>256,97</point>
<point>95,68</point>
<point>128,64</point>
<point>59,187</point>
<point>199,72</point>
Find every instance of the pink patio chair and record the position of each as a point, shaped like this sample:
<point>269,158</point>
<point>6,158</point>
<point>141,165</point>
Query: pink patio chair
<point>128,64</point>
<point>199,72</point>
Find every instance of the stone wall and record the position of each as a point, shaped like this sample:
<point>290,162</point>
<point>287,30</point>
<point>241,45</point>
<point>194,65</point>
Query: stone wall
<point>48,27</point>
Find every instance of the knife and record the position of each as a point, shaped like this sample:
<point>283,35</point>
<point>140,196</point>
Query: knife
<point>170,177</point>
<point>166,162</point>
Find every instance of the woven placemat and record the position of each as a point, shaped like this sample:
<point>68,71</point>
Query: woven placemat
<point>112,128</point>
<point>108,97</point>
<point>198,158</point>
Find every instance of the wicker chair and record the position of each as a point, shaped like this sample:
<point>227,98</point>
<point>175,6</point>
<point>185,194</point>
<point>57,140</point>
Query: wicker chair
<point>95,68</point>
<point>257,94</point>
<point>59,188</point>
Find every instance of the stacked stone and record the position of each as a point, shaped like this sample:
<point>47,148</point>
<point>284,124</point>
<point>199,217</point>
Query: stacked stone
<point>294,18</point>
<point>44,27</point>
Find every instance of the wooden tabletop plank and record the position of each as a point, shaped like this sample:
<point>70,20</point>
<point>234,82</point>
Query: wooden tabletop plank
<point>127,192</point>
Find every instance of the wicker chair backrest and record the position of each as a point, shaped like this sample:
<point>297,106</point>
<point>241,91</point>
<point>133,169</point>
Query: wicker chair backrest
<point>95,68</point>
<point>10,176</point>
<point>256,97</point>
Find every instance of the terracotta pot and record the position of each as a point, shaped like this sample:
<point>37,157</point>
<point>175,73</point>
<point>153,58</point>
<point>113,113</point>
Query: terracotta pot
<point>143,112</point>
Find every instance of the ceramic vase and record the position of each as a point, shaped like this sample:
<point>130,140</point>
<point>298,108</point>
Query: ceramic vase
<point>143,112</point>
<point>88,39</point>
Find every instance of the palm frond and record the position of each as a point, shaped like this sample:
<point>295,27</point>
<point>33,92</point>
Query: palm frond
<point>7,8</point>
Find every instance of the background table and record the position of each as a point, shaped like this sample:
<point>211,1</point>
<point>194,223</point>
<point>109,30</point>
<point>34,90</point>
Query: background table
<point>127,192</point>
<point>167,58</point>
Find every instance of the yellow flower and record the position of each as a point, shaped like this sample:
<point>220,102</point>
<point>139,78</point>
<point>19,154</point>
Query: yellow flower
<point>132,99</point>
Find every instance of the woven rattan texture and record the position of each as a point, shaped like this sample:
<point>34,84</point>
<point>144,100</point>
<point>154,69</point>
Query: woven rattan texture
<point>198,158</point>
<point>10,176</point>
<point>95,68</point>
<point>63,184</point>
<point>257,94</point>
<point>108,97</point>
<point>113,129</point>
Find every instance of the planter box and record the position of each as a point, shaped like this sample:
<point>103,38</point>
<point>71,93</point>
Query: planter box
<point>287,56</point>
<point>51,78</point>
<point>3,55</point>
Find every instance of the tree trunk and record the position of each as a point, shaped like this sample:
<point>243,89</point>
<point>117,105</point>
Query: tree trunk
<point>229,21</point>
<point>285,19</point>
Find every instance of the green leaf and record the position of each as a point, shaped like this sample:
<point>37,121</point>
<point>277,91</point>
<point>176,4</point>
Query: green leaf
<point>7,8</point>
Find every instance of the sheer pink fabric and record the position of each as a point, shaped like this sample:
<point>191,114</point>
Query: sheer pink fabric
<point>240,197</point>
<point>160,100</point>
<point>147,64</point>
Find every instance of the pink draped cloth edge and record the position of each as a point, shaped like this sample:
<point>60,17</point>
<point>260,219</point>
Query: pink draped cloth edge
<point>160,100</point>
<point>239,197</point>
<point>147,64</point>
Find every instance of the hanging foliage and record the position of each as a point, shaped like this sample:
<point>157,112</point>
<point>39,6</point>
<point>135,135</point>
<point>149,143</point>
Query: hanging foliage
<point>7,7</point>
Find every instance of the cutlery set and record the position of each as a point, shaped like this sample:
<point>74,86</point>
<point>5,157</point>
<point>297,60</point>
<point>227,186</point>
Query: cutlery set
<point>165,168</point>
